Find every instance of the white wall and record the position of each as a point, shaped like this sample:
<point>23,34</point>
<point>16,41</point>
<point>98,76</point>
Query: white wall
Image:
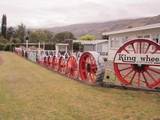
<point>89,47</point>
<point>101,48</point>
<point>117,40</point>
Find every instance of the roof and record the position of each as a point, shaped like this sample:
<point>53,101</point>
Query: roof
<point>92,42</point>
<point>62,44</point>
<point>146,27</point>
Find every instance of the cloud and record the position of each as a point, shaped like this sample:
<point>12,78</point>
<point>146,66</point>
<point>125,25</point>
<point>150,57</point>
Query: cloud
<point>47,13</point>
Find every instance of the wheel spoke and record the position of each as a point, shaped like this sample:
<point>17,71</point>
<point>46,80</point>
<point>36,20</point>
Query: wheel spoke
<point>126,50</point>
<point>128,73</point>
<point>139,76</point>
<point>150,76</point>
<point>145,79</point>
<point>126,68</point>
<point>132,77</point>
<point>140,47</point>
<point>147,48</point>
<point>93,68</point>
<point>158,72</point>
<point>155,51</point>
<point>133,48</point>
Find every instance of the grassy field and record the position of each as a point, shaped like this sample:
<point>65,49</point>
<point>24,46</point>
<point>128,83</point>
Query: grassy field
<point>30,92</point>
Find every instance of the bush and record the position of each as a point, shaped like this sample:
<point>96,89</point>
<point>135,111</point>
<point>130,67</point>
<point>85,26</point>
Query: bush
<point>3,40</point>
<point>6,47</point>
<point>77,46</point>
<point>1,46</point>
<point>88,37</point>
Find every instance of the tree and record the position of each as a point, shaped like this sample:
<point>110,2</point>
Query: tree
<point>3,40</point>
<point>41,36</point>
<point>21,32</point>
<point>60,37</point>
<point>49,35</point>
<point>10,33</point>
<point>4,26</point>
<point>88,37</point>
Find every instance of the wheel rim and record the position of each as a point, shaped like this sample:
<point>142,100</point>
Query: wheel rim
<point>87,68</point>
<point>138,74</point>
<point>72,67</point>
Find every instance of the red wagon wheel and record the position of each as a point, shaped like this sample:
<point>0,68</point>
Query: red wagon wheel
<point>39,57</point>
<point>87,67</point>
<point>62,65</point>
<point>49,61</point>
<point>131,72</point>
<point>45,60</point>
<point>55,63</point>
<point>72,67</point>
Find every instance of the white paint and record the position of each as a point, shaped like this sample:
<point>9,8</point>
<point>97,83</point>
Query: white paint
<point>148,59</point>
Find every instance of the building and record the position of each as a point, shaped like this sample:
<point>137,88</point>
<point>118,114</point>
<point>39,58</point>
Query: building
<point>100,46</point>
<point>118,38</point>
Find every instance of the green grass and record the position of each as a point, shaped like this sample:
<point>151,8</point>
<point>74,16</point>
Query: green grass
<point>30,92</point>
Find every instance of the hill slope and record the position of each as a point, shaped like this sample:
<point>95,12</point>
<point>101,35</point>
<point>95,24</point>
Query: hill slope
<point>98,28</point>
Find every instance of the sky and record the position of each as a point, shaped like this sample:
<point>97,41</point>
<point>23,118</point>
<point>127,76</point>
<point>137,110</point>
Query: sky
<point>51,13</point>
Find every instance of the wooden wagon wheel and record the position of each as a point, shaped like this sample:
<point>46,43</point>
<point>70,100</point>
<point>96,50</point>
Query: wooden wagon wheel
<point>55,63</point>
<point>72,67</point>
<point>62,65</point>
<point>49,61</point>
<point>45,60</point>
<point>90,69</point>
<point>137,62</point>
<point>40,56</point>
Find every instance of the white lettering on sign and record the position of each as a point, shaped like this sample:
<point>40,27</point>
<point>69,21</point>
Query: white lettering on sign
<point>153,59</point>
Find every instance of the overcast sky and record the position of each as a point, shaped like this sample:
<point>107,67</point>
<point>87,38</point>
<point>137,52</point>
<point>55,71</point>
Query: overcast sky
<point>50,13</point>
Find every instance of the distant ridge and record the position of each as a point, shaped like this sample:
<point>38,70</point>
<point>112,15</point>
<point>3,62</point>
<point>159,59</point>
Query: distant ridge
<point>98,28</point>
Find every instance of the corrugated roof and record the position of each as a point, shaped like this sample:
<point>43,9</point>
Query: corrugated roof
<point>146,27</point>
<point>92,42</point>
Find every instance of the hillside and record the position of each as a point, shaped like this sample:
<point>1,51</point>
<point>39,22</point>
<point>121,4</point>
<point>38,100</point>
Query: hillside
<point>98,28</point>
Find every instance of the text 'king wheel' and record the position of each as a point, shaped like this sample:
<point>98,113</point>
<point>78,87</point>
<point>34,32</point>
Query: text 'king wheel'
<point>137,63</point>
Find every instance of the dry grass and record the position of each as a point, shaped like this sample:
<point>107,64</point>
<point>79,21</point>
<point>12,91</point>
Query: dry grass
<point>30,92</point>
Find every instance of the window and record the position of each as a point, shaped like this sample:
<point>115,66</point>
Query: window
<point>115,42</point>
<point>156,38</point>
<point>139,36</point>
<point>146,36</point>
<point>124,39</point>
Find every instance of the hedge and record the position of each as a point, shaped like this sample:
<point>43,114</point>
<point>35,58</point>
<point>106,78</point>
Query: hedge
<point>6,47</point>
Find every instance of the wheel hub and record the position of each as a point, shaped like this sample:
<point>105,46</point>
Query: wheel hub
<point>88,66</point>
<point>140,67</point>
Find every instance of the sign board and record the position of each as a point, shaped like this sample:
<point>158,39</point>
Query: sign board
<point>148,59</point>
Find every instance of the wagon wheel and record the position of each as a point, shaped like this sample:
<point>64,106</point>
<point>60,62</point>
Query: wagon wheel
<point>55,63</point>
<point>87,68</point>
<point>49,62</point>
<point>72,67</point>
<point>40,58</point>
<point>62,65</point>
<point>45,60</point>
<point>140,75</point>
